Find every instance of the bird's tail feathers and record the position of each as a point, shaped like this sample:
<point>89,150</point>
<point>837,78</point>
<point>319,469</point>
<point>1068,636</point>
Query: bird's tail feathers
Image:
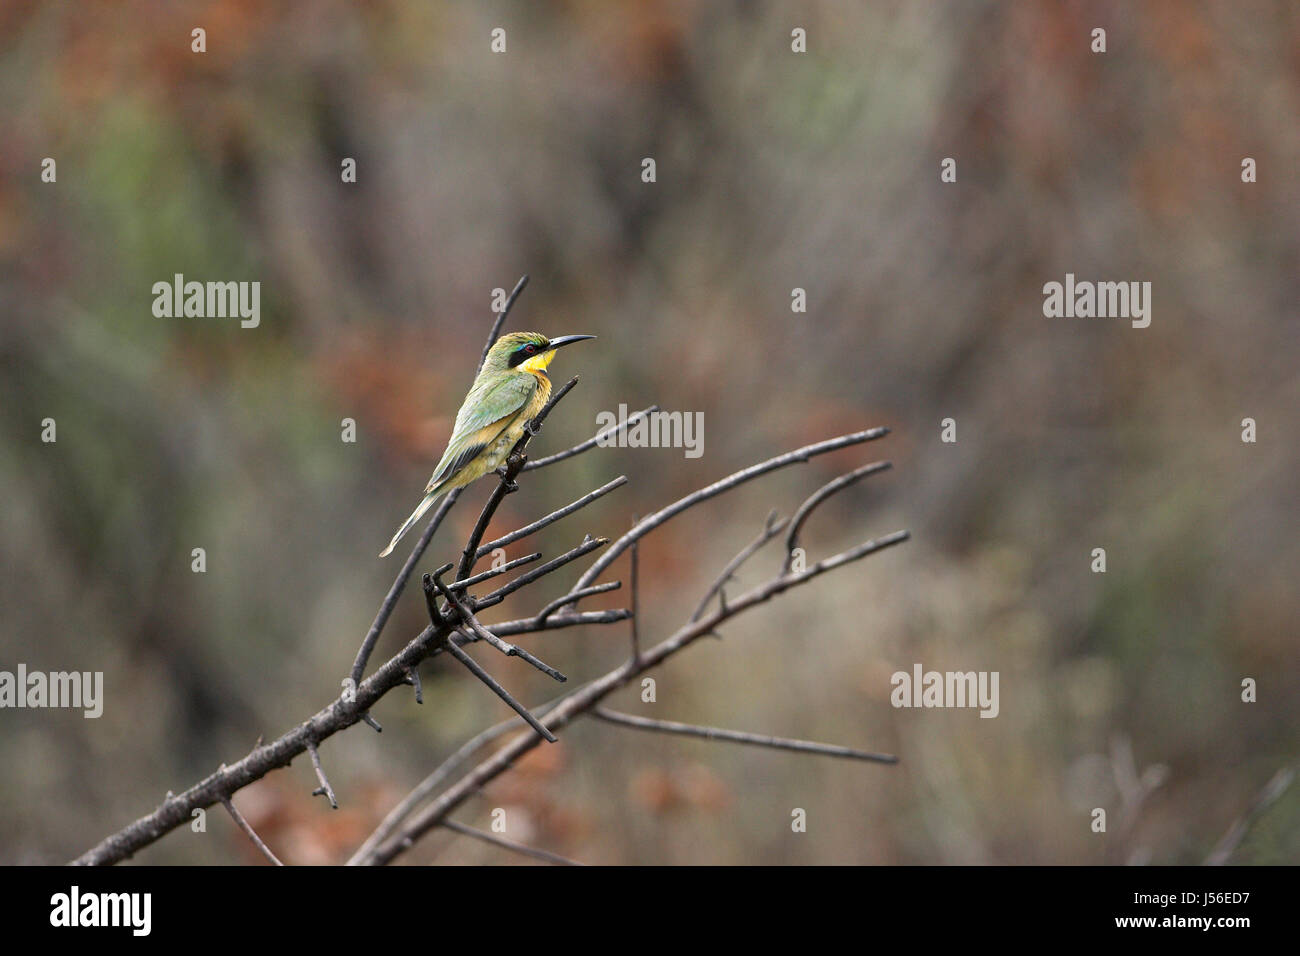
<point>423,506</point>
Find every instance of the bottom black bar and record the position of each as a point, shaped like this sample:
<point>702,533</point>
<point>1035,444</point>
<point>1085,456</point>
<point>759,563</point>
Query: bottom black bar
<point>402,904</point>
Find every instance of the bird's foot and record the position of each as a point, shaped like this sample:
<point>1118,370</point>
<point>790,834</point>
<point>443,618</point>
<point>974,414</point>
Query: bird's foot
<point>504,474</point>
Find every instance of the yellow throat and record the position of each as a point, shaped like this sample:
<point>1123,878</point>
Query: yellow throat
<point>537,364</point>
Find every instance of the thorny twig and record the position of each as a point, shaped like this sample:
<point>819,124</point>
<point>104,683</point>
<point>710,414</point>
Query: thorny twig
<point>340,714</point>
<point>440,775</point>
<point>324,789</point>
<point>394,592</point>
<point>771,528</point>
<point>738,737</point>
<point>816,498</point>
<point>551,518</point>
<point>249,831</point>
<point>650,522</point>
<point>495,332</point>
<point>591,442</point>
<point>572,596</point>
<point>482,633</point>
<point>500,594</point>
<point>636,604</point>
<point>1269,795</point>
<point>511,845</point>
<point>500,691</point>
<point>491,572</point>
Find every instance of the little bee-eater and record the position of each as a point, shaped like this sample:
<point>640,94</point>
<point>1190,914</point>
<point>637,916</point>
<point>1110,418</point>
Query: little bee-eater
<point>511,389</point>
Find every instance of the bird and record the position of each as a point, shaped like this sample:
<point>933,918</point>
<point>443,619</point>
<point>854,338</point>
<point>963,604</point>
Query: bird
<point>509,391</point>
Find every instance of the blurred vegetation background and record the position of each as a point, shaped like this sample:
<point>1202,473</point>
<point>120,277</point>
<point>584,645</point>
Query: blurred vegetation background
<point>774,170</point>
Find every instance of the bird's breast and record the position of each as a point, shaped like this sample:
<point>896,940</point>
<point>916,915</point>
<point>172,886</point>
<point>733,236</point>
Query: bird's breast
<point>541,395</point>
<point>500,450</point>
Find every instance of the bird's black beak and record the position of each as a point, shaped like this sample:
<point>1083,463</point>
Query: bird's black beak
<point>564,340</point>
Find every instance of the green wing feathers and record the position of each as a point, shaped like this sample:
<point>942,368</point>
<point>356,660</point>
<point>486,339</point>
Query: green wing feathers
<point>488,409</point>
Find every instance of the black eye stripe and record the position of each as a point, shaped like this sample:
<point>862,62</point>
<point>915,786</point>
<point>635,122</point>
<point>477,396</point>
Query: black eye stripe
<point>526,351</point>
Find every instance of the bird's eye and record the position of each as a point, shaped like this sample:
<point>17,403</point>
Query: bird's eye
<point>530,348</point>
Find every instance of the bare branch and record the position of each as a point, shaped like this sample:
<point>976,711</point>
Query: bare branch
<point>588,545</point>
<point>492,572</point>
<point>264,758</point>
<point>738,737</point>
<point>442,634</point>
<point>449,643</point>
<point>511,845</point>
<point>338,715</point>
<point>500,691</point>
<point>653,521</point>
<point>588,696</point>
<point>413,678</point>
<point>399,584</point>
<point>324,788</point>
<point>495,331</point>
<point>817,497</point>
<point>510,650</point>
<point>249,831</point>
<point>551,518</point>
<point>591,442</point>
<point>1269,795</point>
<point>636,605</point>
<point>554,622</point>
<point>771,528</point>
<point>529,625</point>
<point>440,775</point>
<point>574,596</point>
